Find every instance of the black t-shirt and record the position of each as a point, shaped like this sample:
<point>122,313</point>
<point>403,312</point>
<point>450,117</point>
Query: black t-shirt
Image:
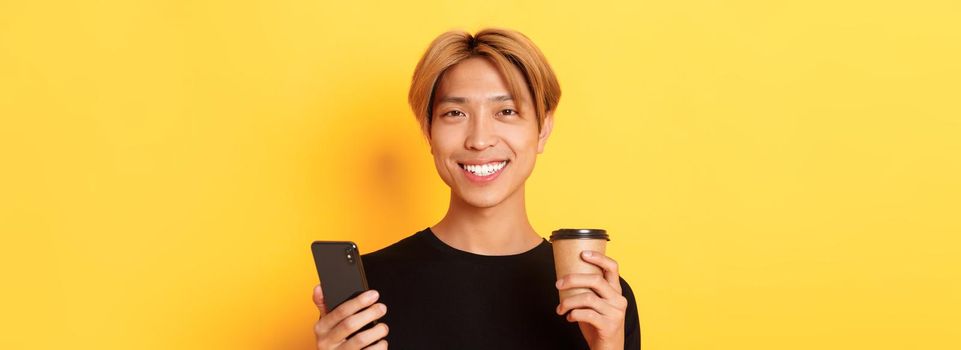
<point>439,297</point>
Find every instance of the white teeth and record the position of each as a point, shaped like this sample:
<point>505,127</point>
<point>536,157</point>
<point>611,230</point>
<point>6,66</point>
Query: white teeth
<point>485,169</point>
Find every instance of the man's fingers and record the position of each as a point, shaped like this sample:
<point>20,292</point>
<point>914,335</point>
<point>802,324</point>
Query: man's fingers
<point>608,265</point>
<point>587,316</point>
<point>363,339</point>
<point>358,320</point>
<point>349,307</point>
<point>587,301</point>
<point>381,345</point>
<point>595,282</point>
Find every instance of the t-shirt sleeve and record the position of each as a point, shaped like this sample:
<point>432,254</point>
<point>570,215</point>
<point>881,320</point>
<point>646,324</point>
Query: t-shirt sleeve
<point>632,323</point>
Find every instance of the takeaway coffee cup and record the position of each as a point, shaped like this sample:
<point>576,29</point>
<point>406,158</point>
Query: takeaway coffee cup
<point>568,244</point>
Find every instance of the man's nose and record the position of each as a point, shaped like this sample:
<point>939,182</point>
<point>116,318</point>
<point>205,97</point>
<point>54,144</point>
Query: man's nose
<point>481,135</point>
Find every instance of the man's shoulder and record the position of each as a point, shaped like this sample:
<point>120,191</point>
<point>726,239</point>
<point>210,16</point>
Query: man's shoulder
<point>404,249</point>
<point>632,323</point>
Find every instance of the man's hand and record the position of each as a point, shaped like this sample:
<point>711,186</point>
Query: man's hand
<point>335,326</point>
<point>600,313</point>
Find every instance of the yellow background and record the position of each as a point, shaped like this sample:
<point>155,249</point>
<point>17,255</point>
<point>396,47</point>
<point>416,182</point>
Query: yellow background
<point>776,175</point>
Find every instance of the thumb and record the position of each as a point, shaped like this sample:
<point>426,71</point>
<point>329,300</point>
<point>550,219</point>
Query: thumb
<point>319,300</point>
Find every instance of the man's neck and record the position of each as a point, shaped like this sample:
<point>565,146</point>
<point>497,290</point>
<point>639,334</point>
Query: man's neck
<point>499,230</point>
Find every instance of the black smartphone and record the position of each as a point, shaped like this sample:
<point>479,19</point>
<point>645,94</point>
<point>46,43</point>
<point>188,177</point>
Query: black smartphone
<point>340,270</point>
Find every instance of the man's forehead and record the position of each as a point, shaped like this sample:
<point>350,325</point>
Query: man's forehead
<point>477,79</point>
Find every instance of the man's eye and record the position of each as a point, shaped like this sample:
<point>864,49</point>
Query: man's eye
<point>454,114</point>
<point>509,112</point>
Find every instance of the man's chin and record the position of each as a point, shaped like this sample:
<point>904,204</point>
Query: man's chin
<point>481,200</point>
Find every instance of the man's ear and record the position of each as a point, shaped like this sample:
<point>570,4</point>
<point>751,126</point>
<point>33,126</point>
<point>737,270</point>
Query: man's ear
<point>546,128</point>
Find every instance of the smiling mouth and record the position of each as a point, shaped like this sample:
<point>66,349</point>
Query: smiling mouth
<point>484,169</point>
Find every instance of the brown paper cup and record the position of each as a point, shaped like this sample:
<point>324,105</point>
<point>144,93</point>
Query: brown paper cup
<point>568,245</point>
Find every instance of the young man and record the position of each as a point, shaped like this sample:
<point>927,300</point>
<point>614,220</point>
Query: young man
<point>482,278</point>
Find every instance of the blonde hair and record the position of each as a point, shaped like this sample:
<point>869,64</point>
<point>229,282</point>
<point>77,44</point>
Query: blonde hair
<point>504,48</point>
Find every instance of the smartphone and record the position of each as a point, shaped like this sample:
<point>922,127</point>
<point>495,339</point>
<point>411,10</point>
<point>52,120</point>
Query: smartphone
<point>341,272</point>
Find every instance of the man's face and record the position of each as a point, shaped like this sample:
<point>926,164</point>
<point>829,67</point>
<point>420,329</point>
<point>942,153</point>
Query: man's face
<point>484,141</point>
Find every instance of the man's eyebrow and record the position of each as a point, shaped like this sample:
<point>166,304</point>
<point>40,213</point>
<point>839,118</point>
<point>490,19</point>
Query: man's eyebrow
<point>453,99</point>
<point>458,99</point>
